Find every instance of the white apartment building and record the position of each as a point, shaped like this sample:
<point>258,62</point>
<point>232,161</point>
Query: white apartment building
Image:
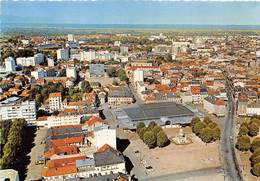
<point>50,62</point>
<point>51,121</point>
<point>55,101</point>
<point>70,37</point>
<point>63,54</point>
<point>37,74</point>
<point>71,72</point>
<point>10,64</point>
<point>138,75</point>
<point>104,135</point>
<point>30,61</point>
<point>124,50</point>
<point>13,108</point>
<point>87,56</point>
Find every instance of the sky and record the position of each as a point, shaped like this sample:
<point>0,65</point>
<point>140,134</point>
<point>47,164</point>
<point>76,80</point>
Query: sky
<point>131,12</point>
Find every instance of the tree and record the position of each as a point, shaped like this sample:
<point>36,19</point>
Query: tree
<point>122,75</point>
<point>139,126</point>
<point>141,132</point>
<point>207,120</point>
<point>255,144</point>
<point>212,125</point>
<point>243,143</point>
<point>151,125</point>
<point>256,169</point>
<point>198,127</point>
<point>156,129</point>
<point>216,133</point>
<point>243,130</point>
<point>255,158</point>
<point>162,139</point>
<point>194,121</point>
<point>206,135</point>
<point>253,129</point>
<point>112,72</point>
<point>149,139</point>
<point>85,86</point>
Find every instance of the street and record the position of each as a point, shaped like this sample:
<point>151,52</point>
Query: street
<point>231,168</point>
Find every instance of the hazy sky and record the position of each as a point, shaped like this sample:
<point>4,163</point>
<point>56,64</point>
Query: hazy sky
<point>132,12</point>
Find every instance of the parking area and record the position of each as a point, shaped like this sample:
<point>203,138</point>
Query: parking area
<point>33,169</point>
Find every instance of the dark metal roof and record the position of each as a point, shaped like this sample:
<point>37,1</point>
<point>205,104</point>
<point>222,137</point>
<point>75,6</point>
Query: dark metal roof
<point>108,157</point>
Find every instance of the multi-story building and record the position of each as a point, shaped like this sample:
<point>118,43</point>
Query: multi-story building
<point>39,73</point>
<point>13,108</point>
<point>30,61</point>
<point>138,75</point>
<point>96,70</point>
<point>55,101</point>
<point>71,72</point>
<point>88,56</point>
<point>60,120</point>
<point>120,96</point>
<point>10,64</point>
<point>50,62</point>
<point>214,105</point>
<point>70,37</point>
<point>63,54</point>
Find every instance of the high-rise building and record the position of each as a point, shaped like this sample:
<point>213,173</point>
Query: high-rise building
<point>50,62</point>
<point>124,50</point>
<point>71,72</point>
<point>87,56</point>
<point>30,61</point>
<point>10,64</point>
<point>55,101</point>
<point>63,54</point>
<point>138,75</point>
<point>70,37</point>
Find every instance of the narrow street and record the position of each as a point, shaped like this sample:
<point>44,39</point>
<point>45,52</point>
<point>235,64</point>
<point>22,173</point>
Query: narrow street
<point>227,138</point>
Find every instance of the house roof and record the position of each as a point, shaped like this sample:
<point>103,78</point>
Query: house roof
<point>107,155</point>
<point>61,166</point>
<point>55,94</point>
<point>94,120</point>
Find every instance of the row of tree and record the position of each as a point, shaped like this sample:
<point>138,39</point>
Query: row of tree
<point>250,129</point>
<point>152,135</point>
<point>207,130</point>
<point>14,145</point>
<point>244,144</point>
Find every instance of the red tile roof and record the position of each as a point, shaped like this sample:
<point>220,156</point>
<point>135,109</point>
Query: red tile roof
<point>93,120</point>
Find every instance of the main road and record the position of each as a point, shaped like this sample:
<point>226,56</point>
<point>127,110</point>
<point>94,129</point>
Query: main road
<point>227,149</point>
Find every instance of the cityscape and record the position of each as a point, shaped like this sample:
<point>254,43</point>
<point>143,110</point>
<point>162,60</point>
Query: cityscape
<point>130,90</point>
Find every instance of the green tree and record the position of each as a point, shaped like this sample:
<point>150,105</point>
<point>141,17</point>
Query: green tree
<point>253,129</point>
<point>141,132</point>
<point>216,133</point>
<point>151,125</point>
<point>212,125</point>
<point>197,128</point>
<point>149,139</point>
<point>139,126</point>
<point>122,75</point>
<point>207,120</point>
<point>255,144</point>
<point>243,130</point>
<point>112,72</point>
<point>156,129</point>
<point>162,139</point>
<point>243,143</point>
<point>256,169</point>
<point>85,86</point>
<point>255,158</point>
<point>194,121</point>
<point>206,135</point>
